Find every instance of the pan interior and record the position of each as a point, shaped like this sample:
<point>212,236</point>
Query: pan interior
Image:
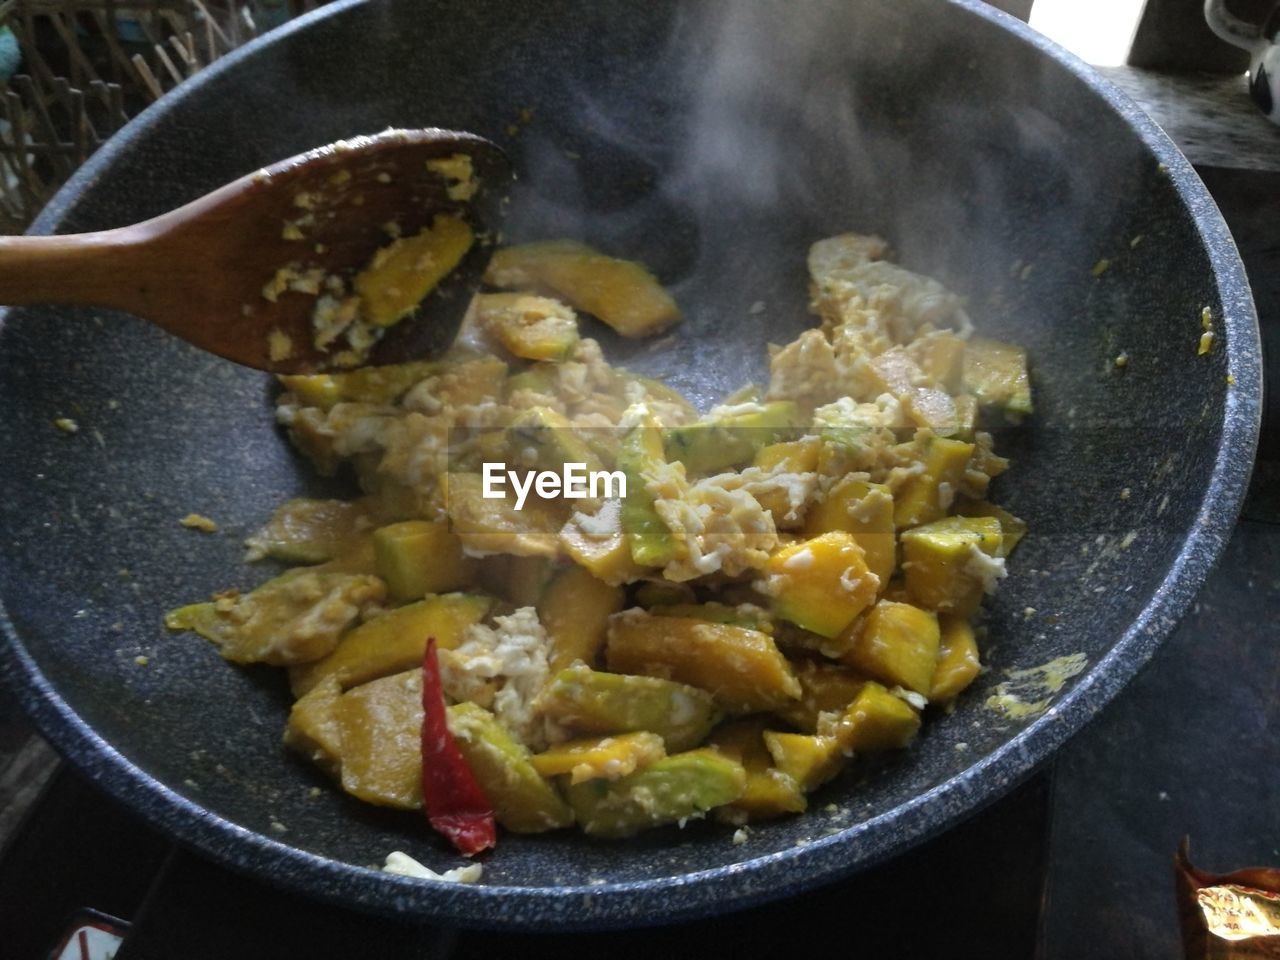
<point>714,142</point>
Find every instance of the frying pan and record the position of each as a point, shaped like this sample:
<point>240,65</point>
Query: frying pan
<point>715,142</point>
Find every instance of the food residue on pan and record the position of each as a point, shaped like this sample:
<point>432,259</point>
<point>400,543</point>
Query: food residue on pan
<point>279,345</point>
<point>459,175</point>
<point>66,425</point>
<point>196,521</point>
<point>406,866</point>
<point>1031,690</point>
<point>355,308</point>
<point>1205,343</point>
<point>353,313</point>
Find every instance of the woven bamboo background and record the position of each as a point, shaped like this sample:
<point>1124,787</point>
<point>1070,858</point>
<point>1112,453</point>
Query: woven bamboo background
<point>89,65</point>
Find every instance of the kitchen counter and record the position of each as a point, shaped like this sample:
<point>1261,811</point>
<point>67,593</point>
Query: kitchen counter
<point>1209,116</point>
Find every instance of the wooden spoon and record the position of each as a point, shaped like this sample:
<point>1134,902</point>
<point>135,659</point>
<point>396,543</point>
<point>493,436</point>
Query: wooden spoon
<point>240,271</point>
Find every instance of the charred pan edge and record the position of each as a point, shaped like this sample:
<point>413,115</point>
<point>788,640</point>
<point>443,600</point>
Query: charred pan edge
<point>778,875</point>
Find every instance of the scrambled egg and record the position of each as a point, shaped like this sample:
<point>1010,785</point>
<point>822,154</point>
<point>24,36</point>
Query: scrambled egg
<point>503,668</point>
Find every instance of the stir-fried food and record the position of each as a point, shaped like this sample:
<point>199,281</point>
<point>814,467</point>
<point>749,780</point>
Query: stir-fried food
<point>641,613</point>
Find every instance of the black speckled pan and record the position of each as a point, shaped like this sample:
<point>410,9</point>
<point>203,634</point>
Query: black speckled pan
<point>714,141</point>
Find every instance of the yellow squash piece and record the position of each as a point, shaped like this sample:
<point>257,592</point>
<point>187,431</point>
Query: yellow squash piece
<point>640,457</point>
<point>941,358</point>
<point>821,584</point>
<point>1012,529</point>
<point>677,788</point>
<point>201,618</point>
<point>923,498</point>
<point>984,467</point>
<point>601,758</point>
<point>295,618</point>
<point>313,728</point>
<point>304,530</point>
<point>790,456</point>
<point>575,610</point>
<point>390,499</point>
<point>741,668</point>
<point>380,725</point>
<point>743,615</point>
<point>864,510</point>
<point>876,720</point>
<point>714,444</point>
<point>494,525</point>
<point>470,380</point>
<point>950,564</point>
<point>966,416</point>
<point>418,557</point>
<point>996,374</point>
<point>958,663</point>
<point>533,328</point>
<point>406,270</point>
<point>357,556</point>
<point>586,701</point>
<point>824,687</point>
<point>379,385</point>
<point>808,760</point>
<point>621,293</point>
<point>898,644</point>
<point>935,410</point>
<point>394,641</point>
<point>896,372</point>
<point>522,801</point>
<point>599,545</point>
<point>769,792</point>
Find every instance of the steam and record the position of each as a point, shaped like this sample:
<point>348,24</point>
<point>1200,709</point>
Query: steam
<point>749,64</point>
<point>754,129</point>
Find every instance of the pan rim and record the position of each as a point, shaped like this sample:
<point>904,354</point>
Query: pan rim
<point>788,872</point>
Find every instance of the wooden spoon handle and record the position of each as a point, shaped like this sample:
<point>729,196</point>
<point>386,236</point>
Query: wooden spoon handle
<point>83,268</point>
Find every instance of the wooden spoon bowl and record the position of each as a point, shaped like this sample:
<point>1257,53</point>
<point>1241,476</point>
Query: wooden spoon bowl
<point>209,271</point>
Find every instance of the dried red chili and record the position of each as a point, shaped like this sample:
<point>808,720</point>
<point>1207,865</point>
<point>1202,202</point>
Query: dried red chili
<point>454,801</point>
